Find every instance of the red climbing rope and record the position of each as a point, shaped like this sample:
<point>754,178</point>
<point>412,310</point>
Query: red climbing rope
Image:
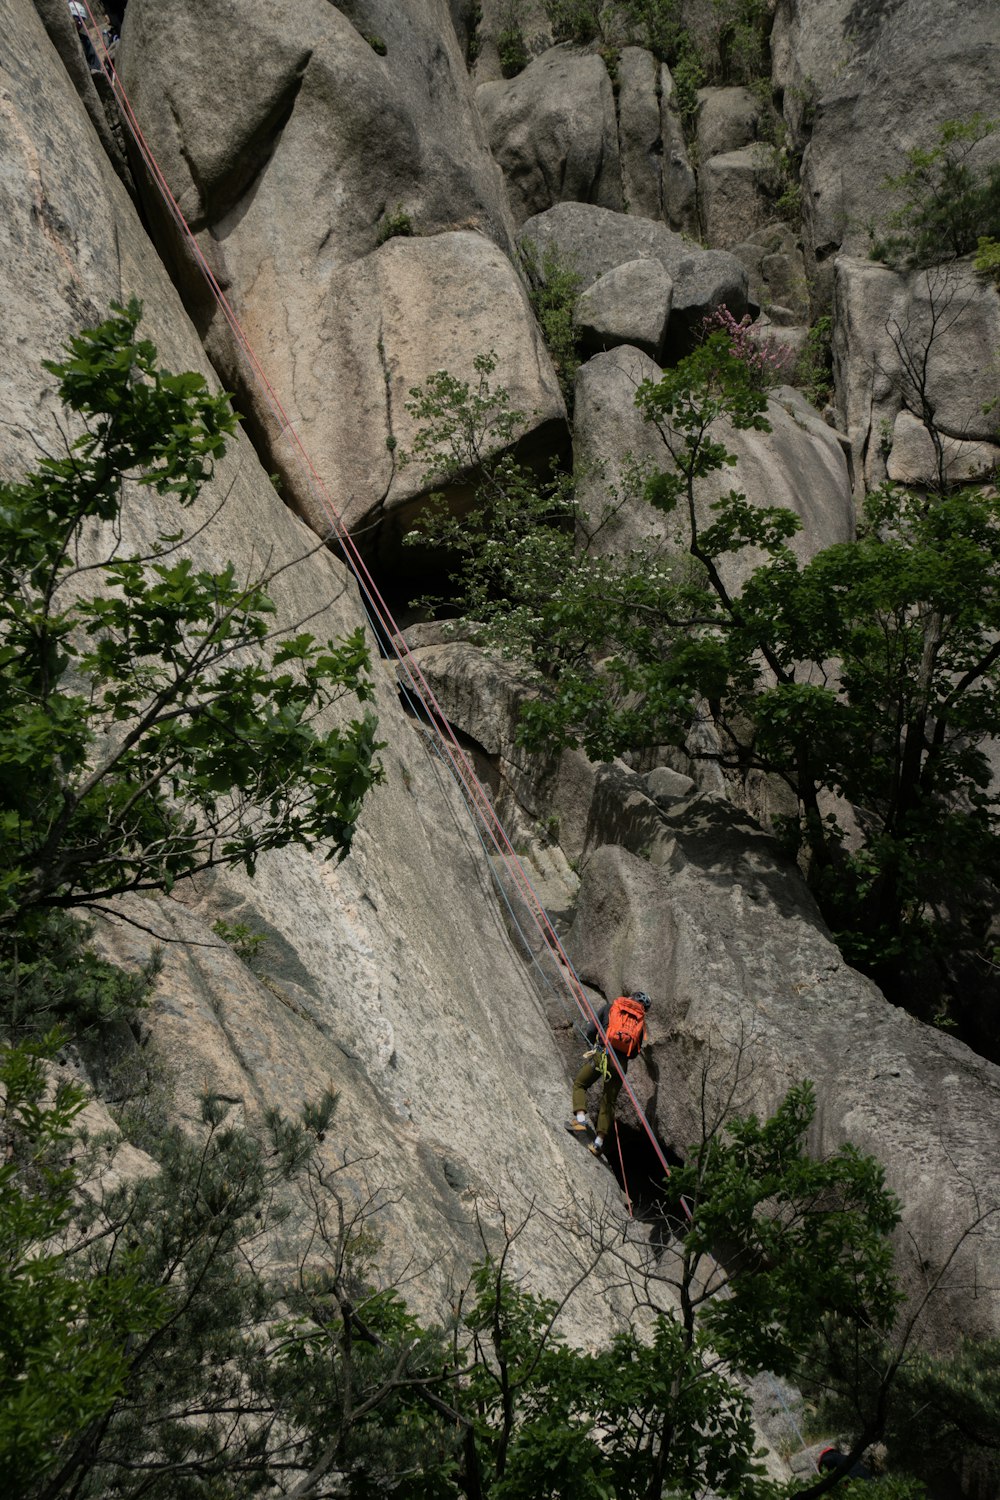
<point>475,795</point>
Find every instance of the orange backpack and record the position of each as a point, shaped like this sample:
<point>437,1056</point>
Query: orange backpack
<point>626,1026</point>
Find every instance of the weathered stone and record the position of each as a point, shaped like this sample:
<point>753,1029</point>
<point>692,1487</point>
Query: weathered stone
<point>365,958</point>
<point>875,309</point>
<point>680,185</point>
<point>733,206</point>
<point>690,899</point>
<point>640,137</point>
<point>487,22</point>
<point>553,131</point>
<point>311,153</point>
<point>727,121</point>
<point>776,269</point>
<point>628,305</point>
<point>596,241</point>
<point>799,464</point>
<point>391,320</point>
<point>850,73</point>
<point>669,785</point>
<point>914,460</point>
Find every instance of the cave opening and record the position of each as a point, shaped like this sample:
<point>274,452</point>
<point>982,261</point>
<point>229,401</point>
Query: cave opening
<point>639,1172</point>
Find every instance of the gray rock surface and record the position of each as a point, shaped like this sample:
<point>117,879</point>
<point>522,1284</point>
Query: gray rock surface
<point>596,241</point>
<point>392,319</point>
<point>733,204</point>
<point>850,73</point>
<point>691,895</point>
<point>743,975</point>
<point>629,305</point>
<point>289,172</point>
<point>954,312</point>
<point>776,268</point>
<point>913,460</point>
<point>727,121</point>
<point>658,181</point>
<point>800,464</point>
<point>554,133</point>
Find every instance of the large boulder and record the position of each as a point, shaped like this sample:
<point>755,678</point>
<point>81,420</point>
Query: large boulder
<point>594,241</point>
<point>849,74</point>
<point>799,464</point>
<point>342,132</point>
<point>392,319</point>
<point>629,305</point>
<point>734,205</point>
<point>553,130</point>
<point>727,121</point>
<point>658,181</point>
<point>948,320</point>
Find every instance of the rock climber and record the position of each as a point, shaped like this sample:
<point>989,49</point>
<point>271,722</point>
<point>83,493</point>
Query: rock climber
<point>623,1023</point>
<point>79,13</point>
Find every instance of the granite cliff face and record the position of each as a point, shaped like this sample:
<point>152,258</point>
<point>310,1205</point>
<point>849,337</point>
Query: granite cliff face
<point>289,139</point>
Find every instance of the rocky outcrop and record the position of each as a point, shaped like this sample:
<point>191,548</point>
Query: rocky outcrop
<point>343,192</point>
<point>799,464</point>
<point>365,960</point>
<point>554,133</point>
<point>410,308</point>
<point>946,322</point>
<point>594,241</point>
<point>849,73</point>
<point>290,173</point>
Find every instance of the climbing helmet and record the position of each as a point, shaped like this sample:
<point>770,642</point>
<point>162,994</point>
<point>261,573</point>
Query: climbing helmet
<point>642,998</point>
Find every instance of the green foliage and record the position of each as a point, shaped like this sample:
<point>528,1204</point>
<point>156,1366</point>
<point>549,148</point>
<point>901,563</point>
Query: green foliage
<point>950,202</point>
<point>814,367</point>
<point>578,20</point>
<point>152,723</point>
<point>513,52</point>
<point>64,1335</point>
<point>394,225</point>
<point>554,285</point>
<point>376,43</point>
<point>741,31</point>
<point>987,260</point>
<point>245,943</point>
<point>145,1351</point>
<point>808,1241</point>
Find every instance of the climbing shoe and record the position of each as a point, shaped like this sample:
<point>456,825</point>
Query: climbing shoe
<point>579,1127</point>
<point>595,1149</point>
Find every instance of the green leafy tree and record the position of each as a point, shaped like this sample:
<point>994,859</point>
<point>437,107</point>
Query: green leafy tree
<point>63,1336</point>
<point>153,721</point>
<point>950,200</point>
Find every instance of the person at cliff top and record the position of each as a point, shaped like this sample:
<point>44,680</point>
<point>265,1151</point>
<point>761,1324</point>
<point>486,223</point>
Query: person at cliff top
<point>832,1458</point>
<point>623,1024</point>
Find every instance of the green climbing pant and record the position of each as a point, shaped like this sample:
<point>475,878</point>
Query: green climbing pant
<point>585,1079</point>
